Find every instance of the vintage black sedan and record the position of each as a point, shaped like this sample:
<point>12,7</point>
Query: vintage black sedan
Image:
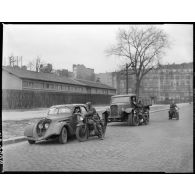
<point>60,123</point>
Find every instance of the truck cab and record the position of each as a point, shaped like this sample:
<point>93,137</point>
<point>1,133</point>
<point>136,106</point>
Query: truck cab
<point>122,107</point>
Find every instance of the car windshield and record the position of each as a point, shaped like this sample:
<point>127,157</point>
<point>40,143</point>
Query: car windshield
<point>62,110</point>
<point>120,100</point>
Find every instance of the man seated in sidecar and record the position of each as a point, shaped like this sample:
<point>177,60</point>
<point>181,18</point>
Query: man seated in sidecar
<point>173,109</point>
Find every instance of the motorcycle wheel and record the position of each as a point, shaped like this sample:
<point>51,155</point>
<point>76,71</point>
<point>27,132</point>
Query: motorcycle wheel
<point>81,133</point>
<point>146,120</point>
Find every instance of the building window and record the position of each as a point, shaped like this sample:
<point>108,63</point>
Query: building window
<point>47,85</point>
<point>30,84</point>
<point>25,84</point>
<point>59,87</point>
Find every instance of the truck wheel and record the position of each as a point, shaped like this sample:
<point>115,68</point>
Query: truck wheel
<point>129,120</point>
<point>63,136</point>
<point>31,141</point>
<point>135,120</point>
<point>81,133</point>
<point>177,116</point>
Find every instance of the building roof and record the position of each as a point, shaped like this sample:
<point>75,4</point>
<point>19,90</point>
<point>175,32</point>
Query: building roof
<point>26,74</point>
<point>125,95</point>
<point>95,84</point>
<point>178,66</point>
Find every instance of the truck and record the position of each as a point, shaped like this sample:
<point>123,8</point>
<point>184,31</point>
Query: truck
<point>122,108</point>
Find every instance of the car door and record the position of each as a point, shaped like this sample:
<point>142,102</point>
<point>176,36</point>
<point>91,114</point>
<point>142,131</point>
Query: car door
<point>74,119</point>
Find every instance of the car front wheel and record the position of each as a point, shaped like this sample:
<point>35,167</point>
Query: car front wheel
<point>63,136</point>
<point>31,141</point>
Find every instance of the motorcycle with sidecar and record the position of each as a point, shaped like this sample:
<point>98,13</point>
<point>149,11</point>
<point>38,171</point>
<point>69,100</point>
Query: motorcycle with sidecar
<point>85,127</point>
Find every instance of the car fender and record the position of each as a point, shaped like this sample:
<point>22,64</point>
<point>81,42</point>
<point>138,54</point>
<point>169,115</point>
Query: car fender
<point>28,132</point>
<point>57,127</point>
<point>128,110</point>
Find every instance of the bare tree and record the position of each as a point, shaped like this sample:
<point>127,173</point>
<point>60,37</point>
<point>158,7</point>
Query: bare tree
<point>35,64</point>
<point>142,48</point>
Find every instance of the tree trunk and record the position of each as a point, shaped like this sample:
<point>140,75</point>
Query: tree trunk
<point>137,88</point>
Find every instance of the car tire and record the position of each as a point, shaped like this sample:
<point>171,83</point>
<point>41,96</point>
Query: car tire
<point>63,136</point>
<point>31,141</point>
<point>81,133</point>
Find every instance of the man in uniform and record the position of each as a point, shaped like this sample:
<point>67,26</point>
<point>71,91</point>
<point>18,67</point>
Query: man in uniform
<point>91,112</point>
<point>173,106</point>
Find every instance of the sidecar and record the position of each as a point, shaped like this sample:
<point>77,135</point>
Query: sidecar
<point>174,114</point>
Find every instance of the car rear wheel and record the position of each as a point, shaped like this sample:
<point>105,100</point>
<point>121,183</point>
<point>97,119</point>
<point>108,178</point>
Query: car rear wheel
<point>63,136</point>
<point>31,141</point>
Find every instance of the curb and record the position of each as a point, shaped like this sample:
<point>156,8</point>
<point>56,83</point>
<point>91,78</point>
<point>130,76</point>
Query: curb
<point>14,140</point>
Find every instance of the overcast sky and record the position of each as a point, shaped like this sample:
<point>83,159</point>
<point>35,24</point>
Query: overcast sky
<point>65,45</point>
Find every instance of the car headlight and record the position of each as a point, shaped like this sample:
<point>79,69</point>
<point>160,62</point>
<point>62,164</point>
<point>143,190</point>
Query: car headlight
<point>46,125</point>
<point>40,126</point>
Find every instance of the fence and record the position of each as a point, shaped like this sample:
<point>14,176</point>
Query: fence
<point>17,99</point>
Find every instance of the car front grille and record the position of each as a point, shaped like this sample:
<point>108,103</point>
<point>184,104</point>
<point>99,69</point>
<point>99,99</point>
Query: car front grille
<point>41,131</point>
<point>114,110</point>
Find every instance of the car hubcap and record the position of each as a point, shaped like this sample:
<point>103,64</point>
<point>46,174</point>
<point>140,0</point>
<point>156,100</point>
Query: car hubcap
<point>64,134</point>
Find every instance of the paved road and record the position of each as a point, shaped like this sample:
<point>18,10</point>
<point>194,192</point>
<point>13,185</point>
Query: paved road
<point>164,145</point>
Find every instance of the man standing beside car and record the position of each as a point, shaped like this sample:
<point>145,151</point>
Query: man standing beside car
<point>91,112</point>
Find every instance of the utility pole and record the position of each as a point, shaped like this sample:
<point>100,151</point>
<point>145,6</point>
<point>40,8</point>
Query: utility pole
<point>17,60</point>
<point>126,69</point>
<point>21,60</point>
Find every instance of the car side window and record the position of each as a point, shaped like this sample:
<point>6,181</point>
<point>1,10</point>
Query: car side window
<point>83,110</point>
<point>64,110</point>
<point>77,110</point>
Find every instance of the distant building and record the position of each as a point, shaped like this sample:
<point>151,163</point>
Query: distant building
<point>161,85</point>
<point>19,79</point>
<point>109,78</point>
<point>81,72</point>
